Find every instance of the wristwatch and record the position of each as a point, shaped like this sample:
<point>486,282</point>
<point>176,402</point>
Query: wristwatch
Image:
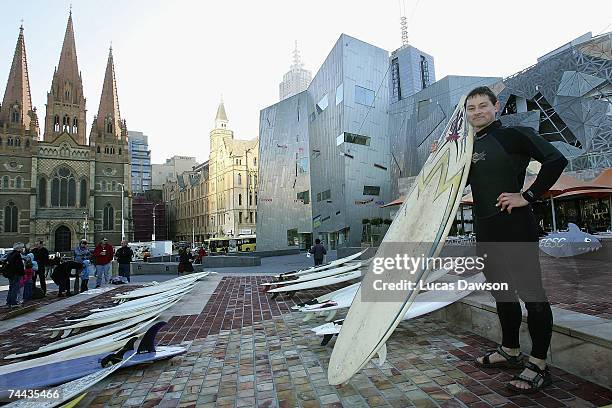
<point>529,196</point>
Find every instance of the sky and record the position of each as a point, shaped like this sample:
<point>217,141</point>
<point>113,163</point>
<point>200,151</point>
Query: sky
<point>175,59</point>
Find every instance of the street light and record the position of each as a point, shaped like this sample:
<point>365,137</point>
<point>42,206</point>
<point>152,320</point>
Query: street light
<point>153,235</point>
<point>122,216</point>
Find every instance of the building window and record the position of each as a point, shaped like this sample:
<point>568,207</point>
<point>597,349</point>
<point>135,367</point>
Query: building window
<point>65,124</point>
<point>364,96</point>
<point>56,123</point>
<point>239,179</point>
<point>109,125</point>
<point>63,188</point>
<point>371,190</point>
<point>254,161</point>
<point>240,217</point>
<point>304,197</point>
<point>423,109</point>
<point>18,182</point>
<point>356,139</point>
<point>10,217</point>
<point>83,194</point>
<point>250,199</point>
<point>108,218</point>
<point>5,182</point>
<point>302,165</point>
<point>15,116</point>
<point>251,217</point>
<point>324,195</point>
<point>424,72</point>
<point>255,202</point>
<point>42,192</point>
<point>75,125</point>
<point>292,237</point>
<point>322,104</point>
<point>339,94</point>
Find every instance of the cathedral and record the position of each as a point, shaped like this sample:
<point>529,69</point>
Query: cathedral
<point>59,186</point>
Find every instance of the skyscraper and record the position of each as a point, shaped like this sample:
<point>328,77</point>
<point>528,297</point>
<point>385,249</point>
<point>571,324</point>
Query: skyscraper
<point>296,79</point>
<point>140,154</point>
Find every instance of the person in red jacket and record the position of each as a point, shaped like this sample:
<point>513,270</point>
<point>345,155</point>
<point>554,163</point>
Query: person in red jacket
<point>103,256</point>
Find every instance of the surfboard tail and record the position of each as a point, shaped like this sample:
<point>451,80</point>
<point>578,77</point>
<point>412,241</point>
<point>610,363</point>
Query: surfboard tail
<point>147,344</point>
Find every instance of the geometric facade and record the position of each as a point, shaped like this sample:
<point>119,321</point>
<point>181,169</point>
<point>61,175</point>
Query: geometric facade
<point>324,153</point>
<point>567,97</point>
<point>140,155</point>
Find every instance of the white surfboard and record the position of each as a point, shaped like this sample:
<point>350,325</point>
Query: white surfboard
<point>73,328</point>
<point>180,290</point>
<point>97,346</point>
<point>71,389</point>
<point>318,268</point>
<point>424,303</point>
<point>342,298</point>
<point>425,217</point>
<point>317,283</point>
<point>161,287</point>
<point>317,275</point>
<point>87,336</point>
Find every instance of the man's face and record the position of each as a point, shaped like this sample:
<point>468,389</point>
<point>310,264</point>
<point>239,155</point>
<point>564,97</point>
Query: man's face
<point>480,111</point>
<point>123,243</point>
<point>104,242</point>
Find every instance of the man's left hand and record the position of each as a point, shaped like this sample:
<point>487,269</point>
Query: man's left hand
<point>508,201</point>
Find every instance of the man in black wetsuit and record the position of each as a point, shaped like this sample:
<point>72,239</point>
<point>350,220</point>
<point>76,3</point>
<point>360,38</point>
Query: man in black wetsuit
<point>507,232</point>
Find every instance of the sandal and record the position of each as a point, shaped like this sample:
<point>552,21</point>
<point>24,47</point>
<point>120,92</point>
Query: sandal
<point>510,362</point>
<point>541,380</point>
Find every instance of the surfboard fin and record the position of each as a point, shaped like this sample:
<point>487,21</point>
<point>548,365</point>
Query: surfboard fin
<point>147,344</point>
<point>382,355</point>
<point>326,339</point>
<point>114,358</point>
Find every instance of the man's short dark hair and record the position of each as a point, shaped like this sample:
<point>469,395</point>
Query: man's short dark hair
<point>317,241</point>
<point>482,90</point>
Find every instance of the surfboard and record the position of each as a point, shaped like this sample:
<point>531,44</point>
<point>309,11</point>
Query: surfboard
<point>181,290</point>
<point>70,389</point>
<point>342,298</point>
<point>425,217</point>
<point>162,287</point>
<point>317,283</point>
<point>87,336</point>
<point>59,372</point>
<point>424,303</point>
<point>332,264</point>
<point>316,275</point>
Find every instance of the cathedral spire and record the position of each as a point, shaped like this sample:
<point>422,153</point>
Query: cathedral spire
<point>109,120</point>
<point>17,101</point>
<point>68,66</point>
<point>65,101</point>
<point>221,118</point>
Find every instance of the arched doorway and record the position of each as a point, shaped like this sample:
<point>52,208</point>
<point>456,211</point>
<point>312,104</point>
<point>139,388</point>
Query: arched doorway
<point>63,239</point>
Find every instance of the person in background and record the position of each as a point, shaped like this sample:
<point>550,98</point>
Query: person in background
<point>81,253</point>
<point>103,256</point>
<point>318,251</point>
<point>124,258</point>
<point>61,276</point>
<point>25,283</point>
<point>14,272</point>
<point>185,259</point>
<point>41,256</point>
<point>85,274</point>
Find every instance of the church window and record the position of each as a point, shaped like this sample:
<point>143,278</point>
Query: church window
<point>17,141</point>
<point>15,116</point>
<point>239,179</point>
<point>42,192</point>
<point>75,125</point>
<point>27,143</point>
<point>9,141</point>
<point>119,151</point>
<point>83,194</point>
<point>108,218</point>
<point>10,217</point>
<point>18,182</point>
<point>56,123</point>
<point>5,182</point>
<point>63,188</point>
<point>65,125</point>
<point>103,185</point>
<point>98,149</point>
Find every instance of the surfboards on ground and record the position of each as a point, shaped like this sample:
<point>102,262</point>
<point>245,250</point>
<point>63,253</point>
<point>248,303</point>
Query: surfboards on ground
<point>424,218</point>
<point>316,275</point>
<point>317,283</point>
<point>64,370</point>
<point>424,303</point>
<point>71,389</point>
<point>332,264</point>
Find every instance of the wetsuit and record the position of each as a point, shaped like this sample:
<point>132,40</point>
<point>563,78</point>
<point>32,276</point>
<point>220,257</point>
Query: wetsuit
<point>510,241</point>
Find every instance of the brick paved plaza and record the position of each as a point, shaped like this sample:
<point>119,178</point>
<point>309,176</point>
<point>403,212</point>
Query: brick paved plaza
<point>245,350</point>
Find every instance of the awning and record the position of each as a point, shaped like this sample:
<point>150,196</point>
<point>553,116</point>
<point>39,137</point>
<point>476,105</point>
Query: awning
<point>564,184</point>
<point>604,179</point>
<point>598,193</point>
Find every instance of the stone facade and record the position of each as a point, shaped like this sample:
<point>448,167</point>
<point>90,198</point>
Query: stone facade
<point>61,188</point>
<point>219,197</point>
